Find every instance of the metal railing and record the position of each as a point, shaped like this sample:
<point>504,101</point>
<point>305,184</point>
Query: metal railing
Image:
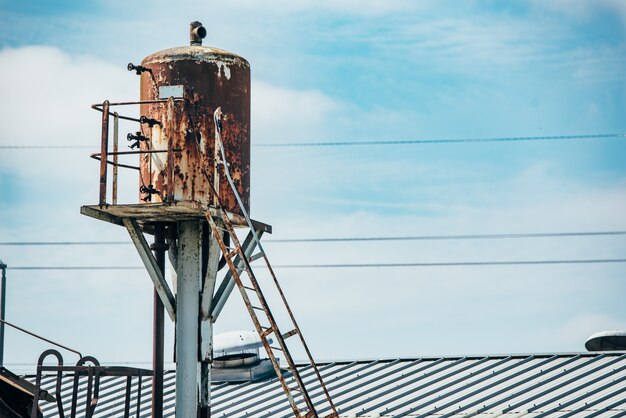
<point>87,371</point>
<point>104,154</point>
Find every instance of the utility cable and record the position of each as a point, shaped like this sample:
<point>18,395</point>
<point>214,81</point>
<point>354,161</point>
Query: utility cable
<point>365,265</point>
<point>379,142</point>
<point>450,237</point>
<point>45,147</point>
<point>77,268</point>
<point>452,264</point>
<point>439,141</point>
<point>60,243</point>
<point>355,239</point>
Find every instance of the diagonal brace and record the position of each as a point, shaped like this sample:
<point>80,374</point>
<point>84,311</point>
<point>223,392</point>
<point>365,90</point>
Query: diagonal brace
<point>160,285</point>
<point>228,283</point>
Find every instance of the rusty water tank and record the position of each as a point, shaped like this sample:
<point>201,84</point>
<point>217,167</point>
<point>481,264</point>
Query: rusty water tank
<point>205,78</point>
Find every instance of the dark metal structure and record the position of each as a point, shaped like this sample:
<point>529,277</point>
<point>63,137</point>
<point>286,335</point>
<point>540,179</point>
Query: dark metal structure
<point>17,396</point>
<point>158,333</point>
<point>193,146</point>
<point>88,377</point>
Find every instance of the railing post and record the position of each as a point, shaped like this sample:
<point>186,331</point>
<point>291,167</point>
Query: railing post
<point>158,337</point>
<point>3,300</point>
<point>104,146</point>
<point>115,150</point>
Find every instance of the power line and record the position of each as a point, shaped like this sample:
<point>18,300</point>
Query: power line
<point>76,268</point>
<point>45,147</point>
<point>452,264</point>
<point>377,142</point>
<point>441,141</point>
<point>354,239</point>
<point>453,237</point>
<point>365,265</point>
<point>60,243</point>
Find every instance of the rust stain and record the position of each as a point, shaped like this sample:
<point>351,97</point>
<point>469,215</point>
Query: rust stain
<point>211,77</point>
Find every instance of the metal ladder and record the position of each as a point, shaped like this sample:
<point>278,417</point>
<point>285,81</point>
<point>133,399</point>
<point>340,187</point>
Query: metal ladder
<point>263,318</point>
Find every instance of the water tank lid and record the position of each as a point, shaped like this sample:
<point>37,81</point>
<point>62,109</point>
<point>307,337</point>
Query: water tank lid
<point>607,341</point>
<point>195,53</point>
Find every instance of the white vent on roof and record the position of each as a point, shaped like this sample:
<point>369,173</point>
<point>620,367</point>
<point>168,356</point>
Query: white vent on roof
<point>236,342</point>
<point>236,357</point>
<point>607,341</point>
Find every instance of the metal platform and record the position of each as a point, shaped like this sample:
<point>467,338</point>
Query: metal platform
<point>150,213</point>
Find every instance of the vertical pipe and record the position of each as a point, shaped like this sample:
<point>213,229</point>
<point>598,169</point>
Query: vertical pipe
<point>3,299</point>
<point>170,130</point>
<point>216,165</point>
<point>187,316</point>
<point>116,122</point>
<point>158,337</point>
<point>104,146</point>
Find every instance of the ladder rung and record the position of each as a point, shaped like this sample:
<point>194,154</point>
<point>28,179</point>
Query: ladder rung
<point>255,257</point>
<point>276,348</point>
<point>231,254</point>
<point>257,308</point>
<point>290,334</point>
<point>249,288</point>
<point>267,332</point>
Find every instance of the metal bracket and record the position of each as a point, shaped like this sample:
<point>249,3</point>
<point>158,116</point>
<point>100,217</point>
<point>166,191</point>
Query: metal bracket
<point>228,283</point>
<point>172,252</point>
<point>143,248</point>
<point>210,278</point>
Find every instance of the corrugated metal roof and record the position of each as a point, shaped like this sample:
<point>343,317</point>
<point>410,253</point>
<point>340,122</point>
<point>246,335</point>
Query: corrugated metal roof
<point>554,385</point>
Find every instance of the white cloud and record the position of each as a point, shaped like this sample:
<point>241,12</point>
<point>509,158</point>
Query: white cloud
<point>410,311</point>
<point>50,93</point>
<point>584,325</point>
<point>584,9</point>
<point>417,311</point>
<point>370,8</point>
<point>50,96</point>
<point>281,114</point>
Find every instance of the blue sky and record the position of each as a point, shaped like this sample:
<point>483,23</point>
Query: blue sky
<point>354,71</point>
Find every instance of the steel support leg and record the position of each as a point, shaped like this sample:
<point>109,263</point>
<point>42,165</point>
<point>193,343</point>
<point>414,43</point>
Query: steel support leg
<point>205,389</point>
<point>187,316</point>
<point>212,252</point>
<point>158,338</point>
